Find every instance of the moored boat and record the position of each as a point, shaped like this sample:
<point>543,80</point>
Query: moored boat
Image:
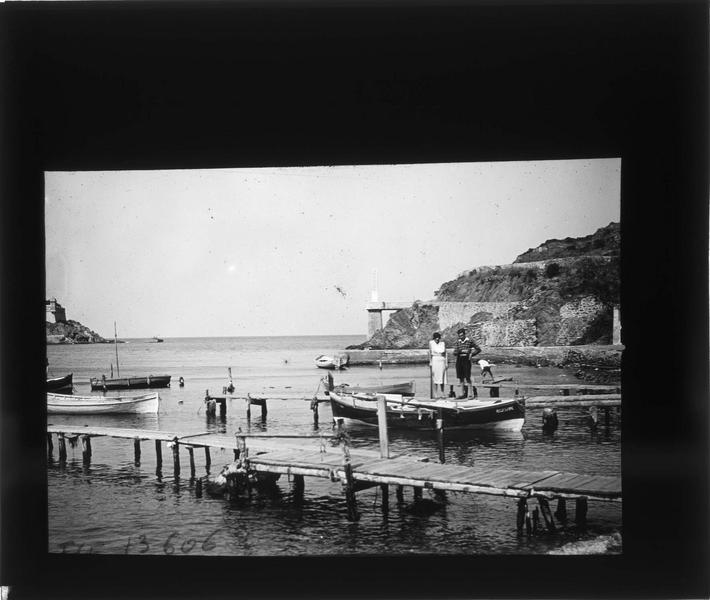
<point>506,414</point>
<point>61,385</point>
<point>130,383</point>
<point>332,362</point>
<point>404,388</point>
<point>90,405</point>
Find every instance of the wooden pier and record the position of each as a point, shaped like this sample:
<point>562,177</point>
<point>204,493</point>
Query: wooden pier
<point>314,455</point>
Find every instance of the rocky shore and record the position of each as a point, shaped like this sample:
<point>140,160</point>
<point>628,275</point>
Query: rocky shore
<point>72,332</point>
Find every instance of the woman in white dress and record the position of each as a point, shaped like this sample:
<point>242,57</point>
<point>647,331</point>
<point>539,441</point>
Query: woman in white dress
<point>437,362</point>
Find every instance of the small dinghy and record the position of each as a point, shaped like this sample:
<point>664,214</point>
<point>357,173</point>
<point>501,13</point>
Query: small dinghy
<point>332,362</point>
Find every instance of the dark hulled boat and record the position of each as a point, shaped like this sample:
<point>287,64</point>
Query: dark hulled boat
<point>130,383</point>
<point>61,385</point>
<point>506,414</point>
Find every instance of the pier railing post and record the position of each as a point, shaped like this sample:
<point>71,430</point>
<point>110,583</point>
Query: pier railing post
<point>382,426</point>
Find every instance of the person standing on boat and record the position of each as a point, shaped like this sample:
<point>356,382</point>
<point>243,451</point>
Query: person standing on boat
<point>464,351</point>
<point>437,362</point>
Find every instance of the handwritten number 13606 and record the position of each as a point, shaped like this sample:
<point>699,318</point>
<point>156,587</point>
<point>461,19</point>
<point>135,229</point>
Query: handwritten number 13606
<point>172,544</point>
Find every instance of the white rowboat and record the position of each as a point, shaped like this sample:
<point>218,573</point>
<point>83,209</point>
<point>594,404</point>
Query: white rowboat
<point>91,405</point>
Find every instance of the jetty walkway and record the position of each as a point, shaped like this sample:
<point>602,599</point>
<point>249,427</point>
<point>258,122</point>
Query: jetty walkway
<point>315,455</point>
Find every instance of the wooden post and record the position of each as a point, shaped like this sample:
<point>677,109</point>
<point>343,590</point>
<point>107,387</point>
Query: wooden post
<point>50,446</point>
<point>191,452</point>
<point>350,492</point>
<point>298,487</point>
<point>535,520</point>
<point>86,448</point>
<point>158,454</point>
<point>198,488</point>
<point>580,516</point>
<point>223,408</point>
<point>440,435</point>
<point>382,426</point>
<point>208,459</point>
<point>176,457</point>
<point>607,416</point>
<point>417,493</point>
<point>314,408</point>
<point>522,510</point>
<point>248,410</point>
<point>137,451</point>
<point>594,415</point>
<point>528,522</point>
<point>263,411</point>
<point>399,491</point>
<point>62,447</point>
<point>561,512</point>
<point>385,490</point>
<point>547,514</point>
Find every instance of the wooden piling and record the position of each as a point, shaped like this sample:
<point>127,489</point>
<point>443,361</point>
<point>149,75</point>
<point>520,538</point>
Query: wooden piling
<point>263,411</point>
<point>137,451</point>
<point>350,492</point>
<point>535,521</point>
<point>528,522</point>
<point>417,493</point>
<point>191,452</point>
<point>176,457</point>
<point>594,415</point>
<point>382,426</point>
<point>158,454</point>
<point>86,448</point>
<point>223,408</point>
<point>62,447</point>
<point>298,488</point>
<point>248,410</point>
<point>399,492</point>
<point>208,459</point>
<point>50,446</point>
<point>385,491</point>
<point>607,416</point>
<point>561,512</point>
<point>314,408</point>
<point>580,515</point>
<point>198,488</point>
<point>522,510</point>
<point>546,514</point>
<point>440,435</point>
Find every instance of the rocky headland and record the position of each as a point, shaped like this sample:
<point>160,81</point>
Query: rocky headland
<point>72,332</point>
<point>552,306</point>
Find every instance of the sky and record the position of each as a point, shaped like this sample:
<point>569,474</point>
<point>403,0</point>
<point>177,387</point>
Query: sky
<point>298,251</point>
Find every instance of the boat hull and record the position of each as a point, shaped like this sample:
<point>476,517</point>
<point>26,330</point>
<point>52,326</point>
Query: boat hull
<point>61,404</point>
<point>131,383</point>
<point>332,362</point>
<point>405,389</point>
<point>498,414</point>
<point>61,385</point>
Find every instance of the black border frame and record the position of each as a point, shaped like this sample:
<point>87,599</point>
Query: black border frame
<point>216,84</point>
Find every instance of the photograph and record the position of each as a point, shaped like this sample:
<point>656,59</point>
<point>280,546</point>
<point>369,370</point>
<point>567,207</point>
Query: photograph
<point>338,360</point>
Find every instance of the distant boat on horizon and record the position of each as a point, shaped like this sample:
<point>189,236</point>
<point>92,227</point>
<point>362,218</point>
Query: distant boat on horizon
<point>155,340</point>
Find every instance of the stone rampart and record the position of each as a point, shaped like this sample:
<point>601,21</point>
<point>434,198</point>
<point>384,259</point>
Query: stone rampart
<point>452,313</point>
<point>575,318</point>
<point>506,332</point>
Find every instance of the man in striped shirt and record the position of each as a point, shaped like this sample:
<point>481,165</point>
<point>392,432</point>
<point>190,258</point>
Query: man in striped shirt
<point>464,350</point>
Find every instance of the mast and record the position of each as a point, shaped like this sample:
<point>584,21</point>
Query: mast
<point>115,345</point>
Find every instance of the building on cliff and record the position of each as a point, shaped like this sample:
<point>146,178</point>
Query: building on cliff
<point>55,311</point>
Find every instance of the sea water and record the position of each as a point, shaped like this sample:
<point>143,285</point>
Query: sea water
<point>114,506</point>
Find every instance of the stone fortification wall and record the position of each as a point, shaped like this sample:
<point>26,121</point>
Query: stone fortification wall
<point>505,332</point>
<point>452,313</point>
<point>576,317</point>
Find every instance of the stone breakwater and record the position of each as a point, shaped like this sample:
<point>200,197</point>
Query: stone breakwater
<point>604,357</point>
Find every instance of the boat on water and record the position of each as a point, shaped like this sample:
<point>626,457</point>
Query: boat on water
<point>61,385</point>
<point>58,404</point>
<point>405,388</point>
<point>332,362</point>
<point>130,383</point>
<point>155,340</point>
<point>504,414</point>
